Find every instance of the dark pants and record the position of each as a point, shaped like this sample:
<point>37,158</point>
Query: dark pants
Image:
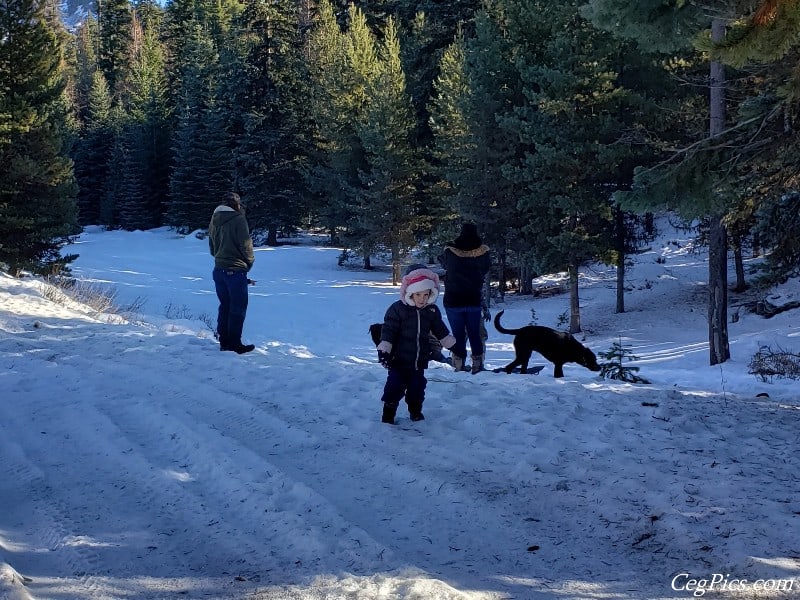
<point>465,322</point>
<point>232,293</point>
<point>405,382</point>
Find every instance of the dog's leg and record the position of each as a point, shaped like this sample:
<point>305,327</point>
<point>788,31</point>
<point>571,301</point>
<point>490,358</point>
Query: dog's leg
<point>558,370</point>
<point>523,357</point>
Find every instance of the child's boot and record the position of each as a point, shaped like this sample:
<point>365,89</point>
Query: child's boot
<point>477,363</point>
<point>458,362</point>
<point>415,411</point>
<point>389,412</point>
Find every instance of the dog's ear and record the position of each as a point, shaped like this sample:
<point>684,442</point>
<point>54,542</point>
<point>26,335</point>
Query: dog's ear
<point>375,332</point>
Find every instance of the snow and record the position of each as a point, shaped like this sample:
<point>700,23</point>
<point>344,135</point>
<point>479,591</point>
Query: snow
<point>139,461</point>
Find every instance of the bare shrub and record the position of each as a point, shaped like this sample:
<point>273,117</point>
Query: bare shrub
<point>53,292</point>
<point>173,311</point>
<point>208,321</point>
<point>134,307</point>
<point>767,364</point>
<point>102,299</point>
<point>99,298</point>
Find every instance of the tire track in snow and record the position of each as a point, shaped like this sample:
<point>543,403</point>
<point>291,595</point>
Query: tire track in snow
<point>49,516</point>
<point>236,473</point>
<point>70,514</point>
<point>243,496</point>
<point>376,463</point>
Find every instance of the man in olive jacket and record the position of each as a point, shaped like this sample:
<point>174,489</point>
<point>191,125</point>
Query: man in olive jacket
<point>232,249</point>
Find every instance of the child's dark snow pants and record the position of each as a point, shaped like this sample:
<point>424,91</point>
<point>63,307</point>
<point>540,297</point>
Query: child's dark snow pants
<point>404,382</point>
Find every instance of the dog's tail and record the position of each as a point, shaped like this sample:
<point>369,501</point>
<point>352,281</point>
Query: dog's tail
<point>502,329</point>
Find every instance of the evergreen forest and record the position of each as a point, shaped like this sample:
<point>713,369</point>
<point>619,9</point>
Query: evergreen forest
<point>558,126</point>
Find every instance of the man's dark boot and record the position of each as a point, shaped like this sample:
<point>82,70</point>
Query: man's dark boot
<point>222,339</point>
<point>389,412</point>
<point>239,348</point>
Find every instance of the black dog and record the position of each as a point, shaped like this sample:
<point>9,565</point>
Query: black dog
<point>436,346</point>
<point>556,346</point>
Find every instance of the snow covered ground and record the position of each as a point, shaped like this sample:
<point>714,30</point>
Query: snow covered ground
<point>138,461</point>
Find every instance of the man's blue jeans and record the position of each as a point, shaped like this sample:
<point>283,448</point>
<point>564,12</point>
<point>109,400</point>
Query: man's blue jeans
<point>232,293</point>
<point>465,322</point>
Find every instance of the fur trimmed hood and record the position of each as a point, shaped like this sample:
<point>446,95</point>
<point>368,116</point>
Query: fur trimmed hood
<point>480,251</point>
<point>419,280</point>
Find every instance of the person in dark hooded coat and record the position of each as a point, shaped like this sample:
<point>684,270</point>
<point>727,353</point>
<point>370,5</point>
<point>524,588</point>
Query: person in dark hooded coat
<point>467,261</point>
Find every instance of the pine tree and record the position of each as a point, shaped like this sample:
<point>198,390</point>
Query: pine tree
<point>696,180</point>
<point>453,144</point>
<point>615,367</point>
<point>203,167</point>
<point>113,193</point>
<point>573,122</point>
<point>93,150</point>
<point>765,149</point>
<point>486,192</point>
<point>343,68</point>
<point>146,134</point>
<point>664,26</point>
<point>85,41</point>
<point>326,63</point>
<point>389,215</point>
<point>448,17</point>
<point>149,13</point>
<point>267,92</point>
<point>37,188</point>
<point>130,190</point>
<point>115,19</point>
<point>361,76</point>
<point>476,89</point>
<point>432,29</point>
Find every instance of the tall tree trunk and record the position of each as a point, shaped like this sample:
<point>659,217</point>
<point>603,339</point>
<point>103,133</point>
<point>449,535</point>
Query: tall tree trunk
<point>574,301</point>
<point>396,258</point>
<point>738,260</point>
<point>619,235</point>
<point>525,283</point>
<point>620,284</point>
<point>719,350</point>
<point>501,285</point>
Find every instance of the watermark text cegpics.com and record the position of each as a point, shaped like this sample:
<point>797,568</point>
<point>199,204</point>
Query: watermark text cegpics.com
<point>717,582</point>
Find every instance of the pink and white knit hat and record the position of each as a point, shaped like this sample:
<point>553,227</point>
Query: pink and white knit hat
<point>419,280</point>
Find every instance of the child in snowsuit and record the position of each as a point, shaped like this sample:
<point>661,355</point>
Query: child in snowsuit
<point>405,346</point>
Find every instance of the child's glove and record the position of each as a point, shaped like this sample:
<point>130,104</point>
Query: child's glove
<point>487,316</point>
<point>384,358</point>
